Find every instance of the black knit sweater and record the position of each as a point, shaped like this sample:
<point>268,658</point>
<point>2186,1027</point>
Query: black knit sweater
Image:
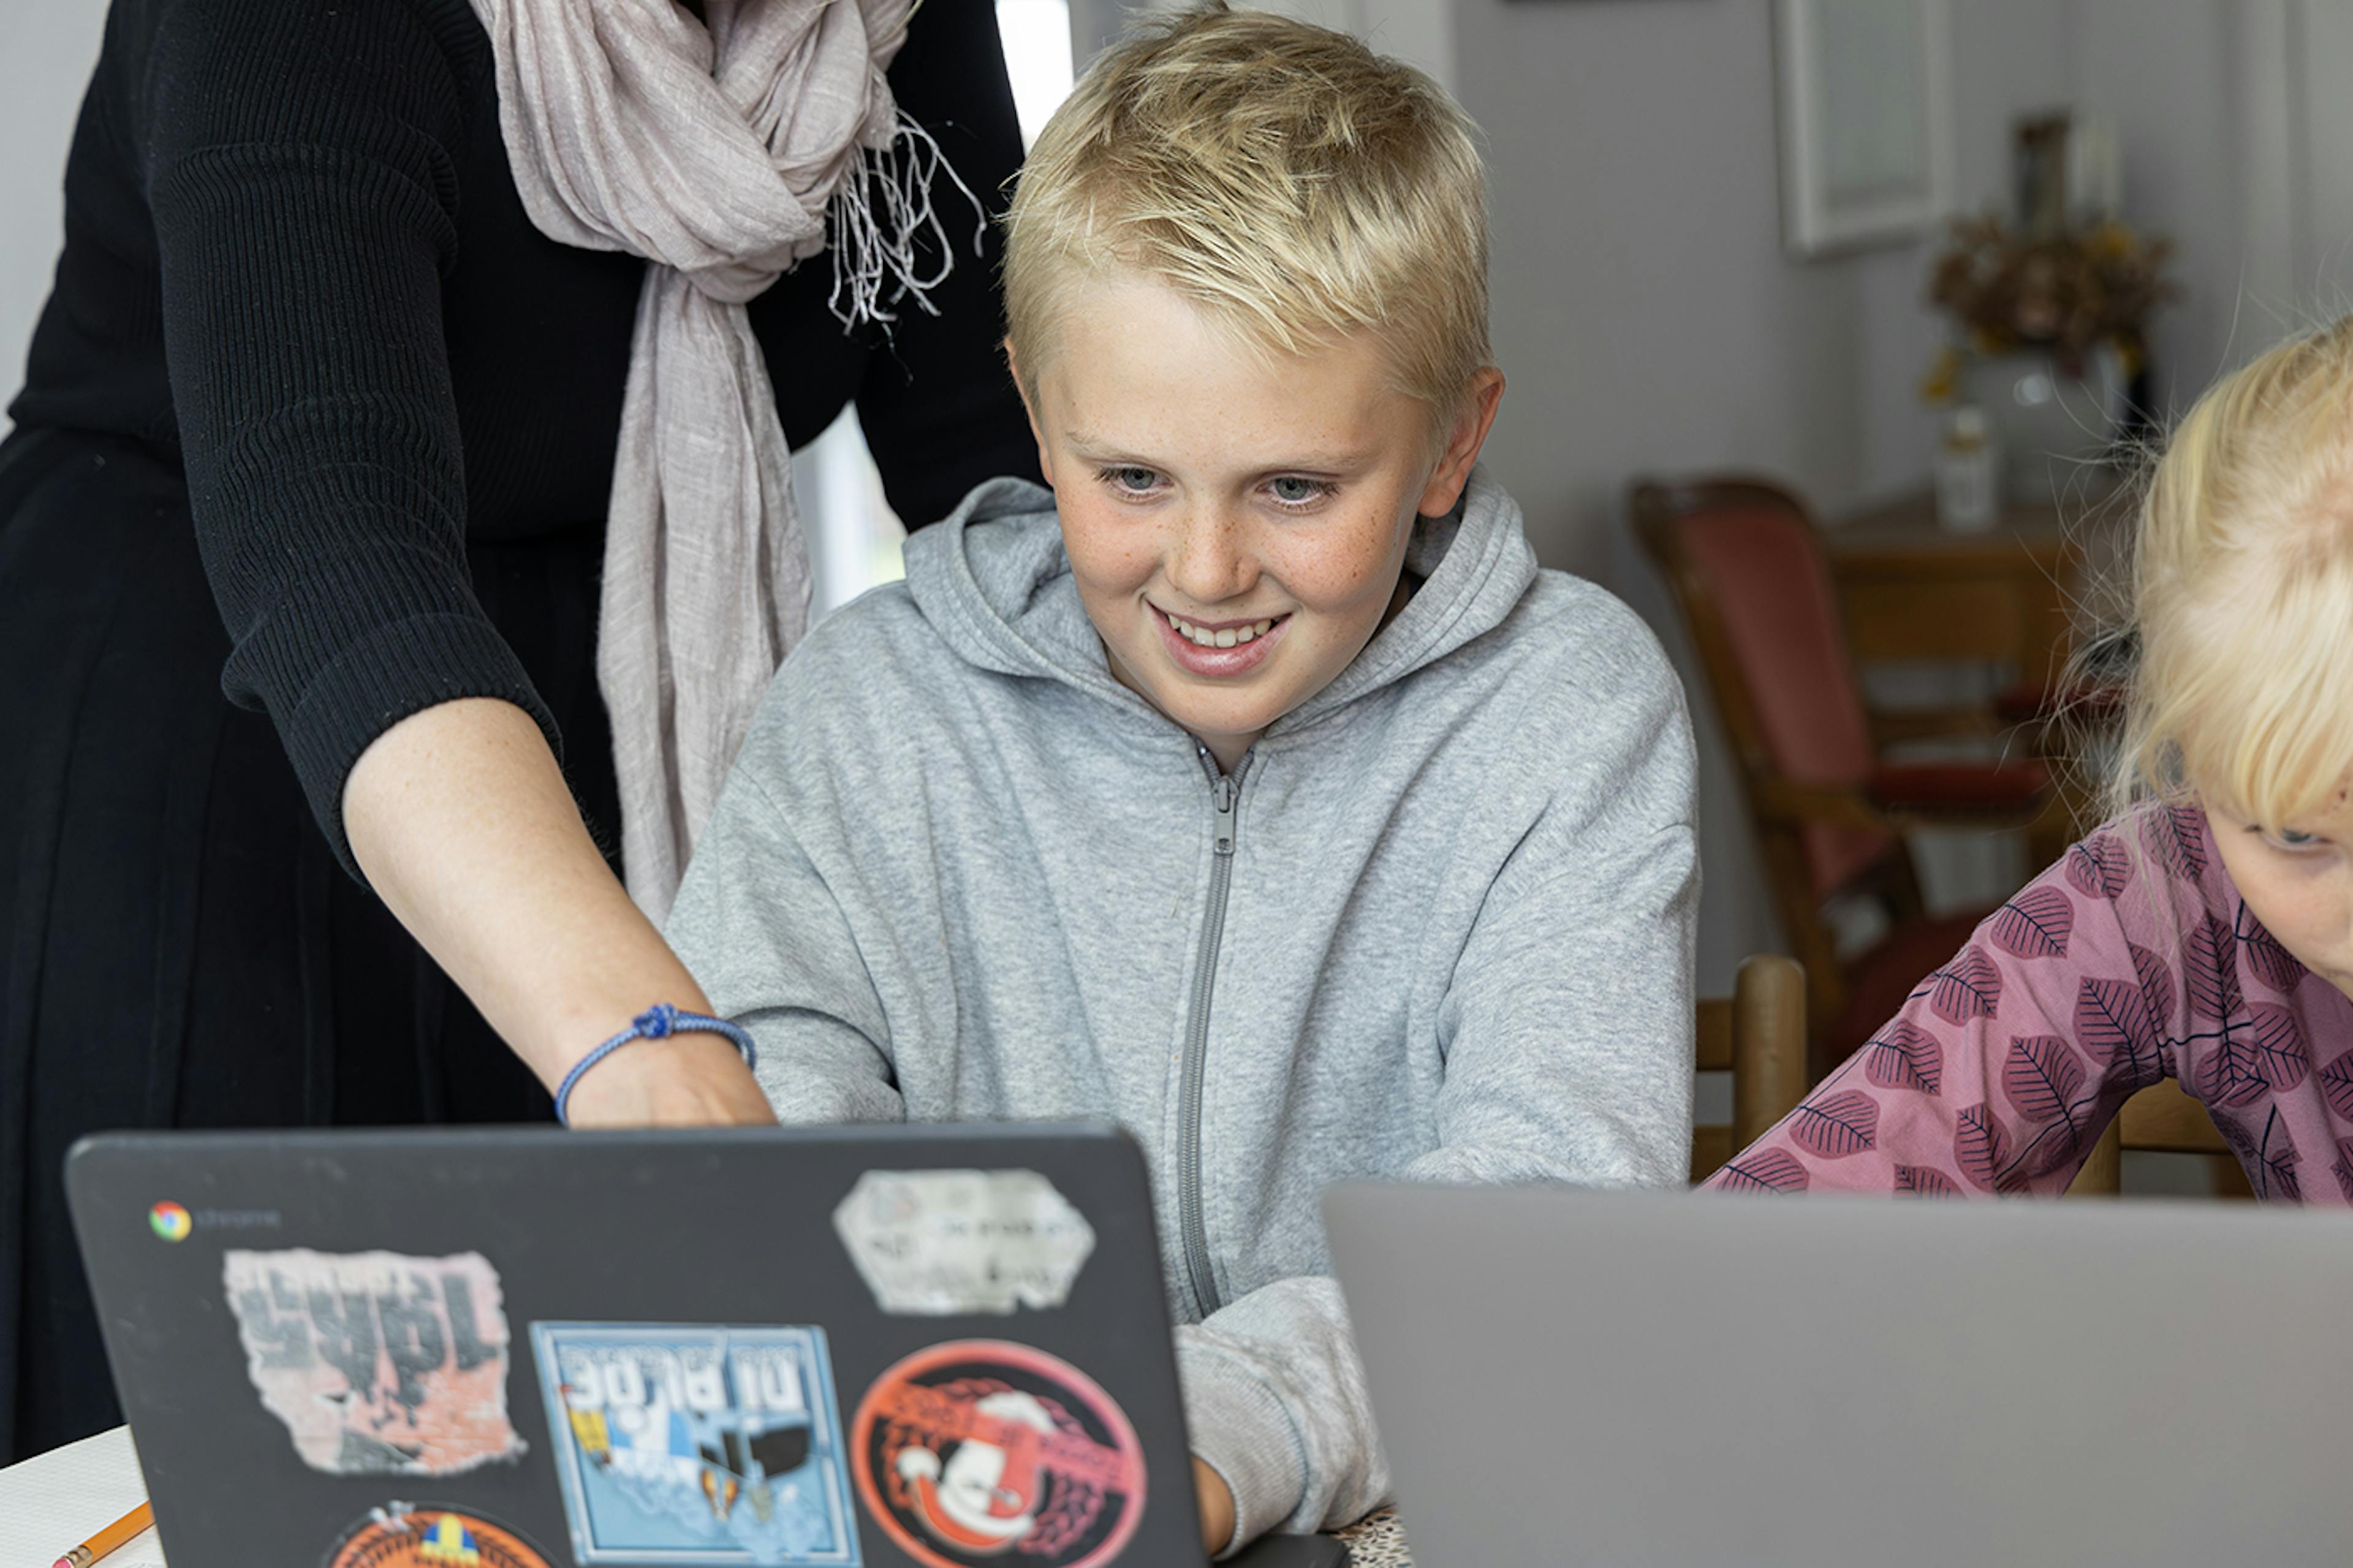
<point>297,264</point>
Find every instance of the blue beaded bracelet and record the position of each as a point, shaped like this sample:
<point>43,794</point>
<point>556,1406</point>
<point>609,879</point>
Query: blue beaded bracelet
<point>656,1021</point>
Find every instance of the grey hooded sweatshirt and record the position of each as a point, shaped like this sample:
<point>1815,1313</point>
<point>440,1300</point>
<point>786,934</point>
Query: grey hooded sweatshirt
<point>1436,926</point>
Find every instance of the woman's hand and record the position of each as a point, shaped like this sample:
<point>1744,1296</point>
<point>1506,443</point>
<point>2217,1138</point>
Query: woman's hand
<point>1217,1507</point>
<point>463,824</point>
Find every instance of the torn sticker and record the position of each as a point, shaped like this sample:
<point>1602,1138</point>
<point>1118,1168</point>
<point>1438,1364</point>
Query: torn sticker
<point>948,1243</point>
<point>970,1451</point>
<point>379,1364</point>
<point>695,1445</point>
<point>427,1535</point>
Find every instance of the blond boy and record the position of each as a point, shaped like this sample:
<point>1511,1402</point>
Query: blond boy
<point>1253,788</point>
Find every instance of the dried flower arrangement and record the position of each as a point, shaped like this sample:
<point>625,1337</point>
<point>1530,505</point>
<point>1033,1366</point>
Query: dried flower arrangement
<point>2063,293</point>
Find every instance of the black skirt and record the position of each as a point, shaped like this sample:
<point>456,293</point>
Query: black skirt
<point>177,945</point>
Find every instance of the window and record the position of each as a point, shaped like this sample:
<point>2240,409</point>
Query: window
<point>854,539</point>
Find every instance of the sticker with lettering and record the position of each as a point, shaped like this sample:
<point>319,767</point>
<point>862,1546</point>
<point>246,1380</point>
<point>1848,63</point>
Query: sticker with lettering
<point>975,1450</point>
<point>956,1243</point>
<point>427,1535</point>
<point>379,1364</point>
<point>697,1444</point>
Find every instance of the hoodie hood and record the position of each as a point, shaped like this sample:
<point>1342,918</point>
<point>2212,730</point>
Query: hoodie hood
<point>994,579</point>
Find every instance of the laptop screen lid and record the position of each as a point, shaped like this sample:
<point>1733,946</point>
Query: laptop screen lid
<point>521,1347</point>
<point>1642,1377</point>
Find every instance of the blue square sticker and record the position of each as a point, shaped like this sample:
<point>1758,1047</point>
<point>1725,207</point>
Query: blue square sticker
<point>693,1445</point>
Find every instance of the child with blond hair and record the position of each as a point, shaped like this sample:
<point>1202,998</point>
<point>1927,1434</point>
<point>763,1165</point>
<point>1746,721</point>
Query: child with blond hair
<point>2206,933</point>
<point>1253,787</point>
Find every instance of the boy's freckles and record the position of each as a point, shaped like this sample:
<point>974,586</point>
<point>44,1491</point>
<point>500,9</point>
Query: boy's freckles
<point>1236,521</point>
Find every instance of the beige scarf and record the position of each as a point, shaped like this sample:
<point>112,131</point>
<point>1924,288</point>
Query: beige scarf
<point>724,155</point>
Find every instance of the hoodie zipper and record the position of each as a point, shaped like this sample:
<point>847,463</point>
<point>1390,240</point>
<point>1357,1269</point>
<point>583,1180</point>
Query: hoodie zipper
<point>1224,789</point>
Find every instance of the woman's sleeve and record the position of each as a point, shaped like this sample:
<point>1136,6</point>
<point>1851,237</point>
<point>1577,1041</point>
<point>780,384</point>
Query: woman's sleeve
<point>936,402</point>
<point>297,167</point>
<point>2005,1065</point>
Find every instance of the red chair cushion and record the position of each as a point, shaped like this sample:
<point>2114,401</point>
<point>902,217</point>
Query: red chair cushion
<point>2027,703</point>
<point>1959,789</point>
<point>1764,567</point>
<point>1883,978</point>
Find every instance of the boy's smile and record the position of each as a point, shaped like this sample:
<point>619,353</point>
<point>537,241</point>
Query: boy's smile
<point>1236,521</point>
<point>1218,649</point>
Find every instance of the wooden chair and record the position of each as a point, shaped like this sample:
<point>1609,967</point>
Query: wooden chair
<point>2160,1118</point>
<point>1747,567</point>
<point>1758,1034</point>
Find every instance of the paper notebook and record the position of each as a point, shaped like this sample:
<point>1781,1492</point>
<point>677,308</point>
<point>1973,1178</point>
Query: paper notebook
<point>53,1502</point>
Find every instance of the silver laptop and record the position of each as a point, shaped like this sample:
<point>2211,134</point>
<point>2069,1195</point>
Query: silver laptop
<point>1565,1376</point>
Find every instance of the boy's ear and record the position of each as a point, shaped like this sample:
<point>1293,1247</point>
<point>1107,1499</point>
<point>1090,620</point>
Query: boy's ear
<point>1454,463</point>
<point>1037,431</point>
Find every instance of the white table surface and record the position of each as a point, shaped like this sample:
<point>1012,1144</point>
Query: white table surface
<point>52,1503</point>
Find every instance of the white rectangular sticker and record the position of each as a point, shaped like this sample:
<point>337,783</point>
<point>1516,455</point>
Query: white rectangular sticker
<point>951,1242</point>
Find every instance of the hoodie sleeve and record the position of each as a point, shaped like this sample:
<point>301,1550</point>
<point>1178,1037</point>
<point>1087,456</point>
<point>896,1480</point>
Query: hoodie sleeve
<point>1275,1403</point>
<point>759,929</point>
<point>1568,1039</point>
<point>1567,1030</point>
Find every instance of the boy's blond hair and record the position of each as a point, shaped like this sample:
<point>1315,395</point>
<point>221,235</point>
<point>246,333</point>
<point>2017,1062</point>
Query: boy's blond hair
<point>2242,595</point>
<point>1281,176</point>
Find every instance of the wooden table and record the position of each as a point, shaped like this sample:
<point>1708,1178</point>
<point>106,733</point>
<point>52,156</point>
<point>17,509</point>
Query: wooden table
<point>2016,596</point>
<point>1914,592</point>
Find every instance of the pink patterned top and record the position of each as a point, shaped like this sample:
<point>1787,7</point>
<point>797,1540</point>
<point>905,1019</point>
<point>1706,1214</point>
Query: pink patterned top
<point>2004,1068</point>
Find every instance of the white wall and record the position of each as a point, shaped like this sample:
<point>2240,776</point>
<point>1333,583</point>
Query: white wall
<point>1649,320</point>
<point>46,50</point>
<point>2166,73</point>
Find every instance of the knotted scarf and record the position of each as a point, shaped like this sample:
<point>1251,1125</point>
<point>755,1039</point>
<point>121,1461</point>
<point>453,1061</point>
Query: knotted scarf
<point>723,151</point>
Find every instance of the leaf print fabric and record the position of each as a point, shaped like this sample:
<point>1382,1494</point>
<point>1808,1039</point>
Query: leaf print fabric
<point>1762,1171</point>
<point>1903,1056</point>
<point>1835,1125</point>
<point>2337,1087</point>
<point>1924,1181</point>
<point>1969,987</point>
<point>2036,924</point>
<point>2176,836</point>
<point>2099,867</point>
<point>2131,960</point>
<point>2113,1023</point>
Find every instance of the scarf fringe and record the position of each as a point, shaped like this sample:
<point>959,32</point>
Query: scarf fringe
<point>876,223</point>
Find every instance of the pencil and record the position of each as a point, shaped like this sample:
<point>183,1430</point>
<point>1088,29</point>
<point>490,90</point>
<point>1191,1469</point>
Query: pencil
<point>107,1539</point>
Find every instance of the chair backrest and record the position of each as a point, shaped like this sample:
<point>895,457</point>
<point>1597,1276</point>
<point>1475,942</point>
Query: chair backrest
<point>2160,1120</point>
<point>1758,1034</point>
<point>1748,569</point>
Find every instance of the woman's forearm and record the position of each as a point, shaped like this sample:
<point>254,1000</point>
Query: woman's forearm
<point>462,820</point>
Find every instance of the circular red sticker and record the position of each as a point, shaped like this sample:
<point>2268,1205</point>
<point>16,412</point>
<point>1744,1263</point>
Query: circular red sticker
<point>421,1535</point>
<point>974,1449</point>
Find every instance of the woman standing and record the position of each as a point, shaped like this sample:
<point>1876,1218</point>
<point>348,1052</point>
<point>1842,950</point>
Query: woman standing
<point>309,813</point>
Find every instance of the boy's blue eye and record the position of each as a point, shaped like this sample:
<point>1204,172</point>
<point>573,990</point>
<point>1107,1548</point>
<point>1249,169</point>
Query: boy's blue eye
<point>1131,480</point>
<point>2289,838</point>
<point>1292,490</point>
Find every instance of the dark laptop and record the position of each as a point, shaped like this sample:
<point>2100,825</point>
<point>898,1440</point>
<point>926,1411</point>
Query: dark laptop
<point>500,1348</point>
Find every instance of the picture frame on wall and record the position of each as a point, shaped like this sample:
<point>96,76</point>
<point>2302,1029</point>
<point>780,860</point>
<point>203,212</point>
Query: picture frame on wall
<point>1865,102</point>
